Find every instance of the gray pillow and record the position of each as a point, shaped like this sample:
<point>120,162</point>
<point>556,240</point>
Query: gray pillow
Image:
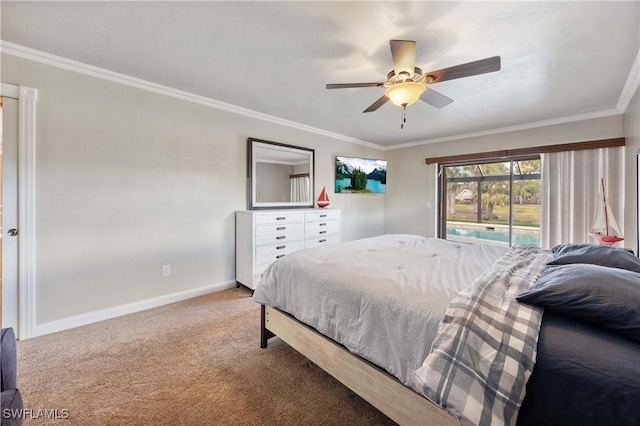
<point>612,257</point>
<point>605,297</point>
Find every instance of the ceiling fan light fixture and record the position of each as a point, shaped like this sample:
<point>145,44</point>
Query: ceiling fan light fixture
<point>405,94</point>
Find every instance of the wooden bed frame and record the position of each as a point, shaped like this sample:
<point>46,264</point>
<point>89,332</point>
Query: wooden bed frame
<point>380,389</point>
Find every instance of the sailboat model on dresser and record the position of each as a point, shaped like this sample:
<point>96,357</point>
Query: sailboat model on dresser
<point>323,199</point>
<point>604,227</point>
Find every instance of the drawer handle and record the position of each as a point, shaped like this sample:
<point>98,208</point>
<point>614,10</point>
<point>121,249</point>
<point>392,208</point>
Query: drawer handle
<point>323,232</point>
<point>323,215</point>
<point>323,224</point>
<point>280,255</point>
<point>281,218</point>
<point>281,237</point>
<point>280,247</point>
<point>281,228</point>
<point>324,240</point>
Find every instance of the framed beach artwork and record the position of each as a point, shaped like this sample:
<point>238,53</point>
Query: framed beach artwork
<point>360,175</point>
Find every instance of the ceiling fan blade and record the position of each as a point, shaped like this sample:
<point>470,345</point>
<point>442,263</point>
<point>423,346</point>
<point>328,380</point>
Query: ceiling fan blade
<point>377,104</point>
<point>403,53</point>
<point>349,85</point>
<point>466,70</point>
<point>435,99</point>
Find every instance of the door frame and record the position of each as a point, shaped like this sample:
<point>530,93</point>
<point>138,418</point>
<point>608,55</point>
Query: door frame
<point>27,98</point>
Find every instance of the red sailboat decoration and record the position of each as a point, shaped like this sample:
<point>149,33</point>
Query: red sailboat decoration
<point>604,227</point>
<point>323,199</point>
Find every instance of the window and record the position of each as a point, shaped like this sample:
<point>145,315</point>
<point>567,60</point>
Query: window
<point>492,202</point>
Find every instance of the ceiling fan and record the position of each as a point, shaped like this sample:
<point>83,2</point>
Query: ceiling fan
<point>406,83</point>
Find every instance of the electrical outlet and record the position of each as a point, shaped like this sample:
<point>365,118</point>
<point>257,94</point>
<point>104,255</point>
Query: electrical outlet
<point>166,270</point>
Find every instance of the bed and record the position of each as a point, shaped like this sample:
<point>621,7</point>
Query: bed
<point>380,315</point>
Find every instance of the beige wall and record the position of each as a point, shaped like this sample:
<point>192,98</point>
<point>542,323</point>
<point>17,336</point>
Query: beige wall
<point>632,139</point>
<point>411,205</point>
<point>128,180</point>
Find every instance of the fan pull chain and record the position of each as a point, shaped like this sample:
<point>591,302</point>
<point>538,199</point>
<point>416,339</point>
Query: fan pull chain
<point>404,116</point>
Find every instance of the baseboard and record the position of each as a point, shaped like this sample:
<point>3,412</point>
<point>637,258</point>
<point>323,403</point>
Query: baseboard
<point>129,308</point>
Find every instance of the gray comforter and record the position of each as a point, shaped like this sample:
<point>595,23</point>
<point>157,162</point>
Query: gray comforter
<point>382,297</point>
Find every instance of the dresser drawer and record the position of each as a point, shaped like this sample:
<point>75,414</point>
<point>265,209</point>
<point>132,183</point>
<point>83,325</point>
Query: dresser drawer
<point>279,217</point>
<point>319,229</point>
<point>321,241</point>
<point>279,233</point>
<point>264,236</point>
<point>321,216</point>
<point>268,254</point>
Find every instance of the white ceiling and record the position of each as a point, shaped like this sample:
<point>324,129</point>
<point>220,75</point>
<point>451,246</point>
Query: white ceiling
<point>559,59</point>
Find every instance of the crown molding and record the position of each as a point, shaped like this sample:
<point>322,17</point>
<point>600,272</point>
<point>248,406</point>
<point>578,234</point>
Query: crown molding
<point>116,77</point>
<point>630,87</point>
<point>515,128</point>
<point>632,83</point>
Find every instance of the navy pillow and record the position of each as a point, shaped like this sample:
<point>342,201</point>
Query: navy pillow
<point>605,297</point>
<point>612,257</point>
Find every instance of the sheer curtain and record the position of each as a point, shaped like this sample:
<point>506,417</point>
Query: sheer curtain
<point>300,189</point>
<point>570,183</point>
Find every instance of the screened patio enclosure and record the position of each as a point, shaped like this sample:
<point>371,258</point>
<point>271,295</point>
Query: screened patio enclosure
<point>495,202</point>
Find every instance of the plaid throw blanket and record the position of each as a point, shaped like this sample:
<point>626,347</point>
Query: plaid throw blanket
<point>486,345</point>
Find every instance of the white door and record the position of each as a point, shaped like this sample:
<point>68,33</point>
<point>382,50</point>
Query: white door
<point>9,213</point>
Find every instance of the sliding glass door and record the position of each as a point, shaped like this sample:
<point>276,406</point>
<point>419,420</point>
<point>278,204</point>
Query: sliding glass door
<point>493,202</point>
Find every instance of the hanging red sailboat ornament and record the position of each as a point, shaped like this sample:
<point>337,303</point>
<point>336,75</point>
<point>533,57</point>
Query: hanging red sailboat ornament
<point>604,227</point>
<point>323,199</point>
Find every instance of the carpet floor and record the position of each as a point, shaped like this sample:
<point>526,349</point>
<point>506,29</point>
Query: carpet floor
<point>196,362</point>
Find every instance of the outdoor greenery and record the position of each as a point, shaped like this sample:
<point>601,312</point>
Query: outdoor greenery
<point>523,215</point>
<point>492,179</point>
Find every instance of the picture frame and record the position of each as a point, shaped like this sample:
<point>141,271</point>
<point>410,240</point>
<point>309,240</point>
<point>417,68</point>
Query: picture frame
<point>357,175</point>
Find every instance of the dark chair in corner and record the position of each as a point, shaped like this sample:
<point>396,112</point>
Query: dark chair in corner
<point>12,405</point>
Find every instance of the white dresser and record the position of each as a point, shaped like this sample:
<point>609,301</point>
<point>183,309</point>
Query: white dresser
<point>264,236</point>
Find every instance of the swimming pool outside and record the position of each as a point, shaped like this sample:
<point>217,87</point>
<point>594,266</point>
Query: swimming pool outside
<point>492,234</point>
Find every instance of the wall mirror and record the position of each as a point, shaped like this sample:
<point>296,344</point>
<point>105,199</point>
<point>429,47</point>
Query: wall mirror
<point>280,176</point>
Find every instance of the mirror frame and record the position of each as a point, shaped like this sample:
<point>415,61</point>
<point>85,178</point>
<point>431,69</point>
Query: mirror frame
<point>252,144</point>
